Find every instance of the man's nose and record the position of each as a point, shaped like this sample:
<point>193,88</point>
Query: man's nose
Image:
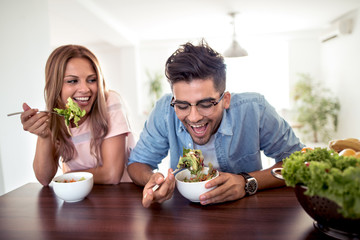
<point>194,115</point>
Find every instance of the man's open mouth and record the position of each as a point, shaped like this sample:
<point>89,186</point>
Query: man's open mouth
<point>199,129</point>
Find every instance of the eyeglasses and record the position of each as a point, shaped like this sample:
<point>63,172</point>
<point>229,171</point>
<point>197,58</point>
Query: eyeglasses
<point>205,107</point>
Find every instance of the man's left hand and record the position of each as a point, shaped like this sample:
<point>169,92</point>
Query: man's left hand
<point>229,187</point>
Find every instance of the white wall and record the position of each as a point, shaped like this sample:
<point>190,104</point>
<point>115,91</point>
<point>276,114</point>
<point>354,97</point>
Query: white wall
<point>340,58</point>
<point>265,70</point>
<point>304,57</point>
<point>24,48</point>
<point>337,64</point>
<point>120,67</point>
<point>153,56</point>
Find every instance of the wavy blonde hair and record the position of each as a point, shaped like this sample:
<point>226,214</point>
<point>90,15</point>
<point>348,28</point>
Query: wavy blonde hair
<point>54,77</point>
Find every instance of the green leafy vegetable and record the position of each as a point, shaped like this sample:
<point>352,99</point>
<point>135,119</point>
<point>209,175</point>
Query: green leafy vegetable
<point>326,174</point>
<point>193,160</point>
<point>71,112</point>
<point>200,176</point>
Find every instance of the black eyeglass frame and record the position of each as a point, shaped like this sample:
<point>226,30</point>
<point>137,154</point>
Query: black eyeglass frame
<point>201,101</point>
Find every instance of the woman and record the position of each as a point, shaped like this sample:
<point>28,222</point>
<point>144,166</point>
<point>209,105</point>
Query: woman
<point>101,141</point>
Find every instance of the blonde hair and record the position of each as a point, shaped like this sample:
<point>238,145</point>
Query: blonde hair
<point>54,77</point>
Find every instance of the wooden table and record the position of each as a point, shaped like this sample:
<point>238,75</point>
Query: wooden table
<point>115,212</point>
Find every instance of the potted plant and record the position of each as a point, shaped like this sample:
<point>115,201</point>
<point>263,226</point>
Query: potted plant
<point>316,109</point>
<point>155,86</point>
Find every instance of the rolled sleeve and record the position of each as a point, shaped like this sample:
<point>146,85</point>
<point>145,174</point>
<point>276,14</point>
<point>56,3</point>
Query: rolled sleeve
<point>153,144</point>
<point>277,138</point>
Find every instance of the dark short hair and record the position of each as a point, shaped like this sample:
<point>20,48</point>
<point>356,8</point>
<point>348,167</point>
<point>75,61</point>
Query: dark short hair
<point>191,62</point>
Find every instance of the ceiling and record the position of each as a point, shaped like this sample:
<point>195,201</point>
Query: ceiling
<point>125,22</point>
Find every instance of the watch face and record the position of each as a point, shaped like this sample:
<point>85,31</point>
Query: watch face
<point>252,186</point>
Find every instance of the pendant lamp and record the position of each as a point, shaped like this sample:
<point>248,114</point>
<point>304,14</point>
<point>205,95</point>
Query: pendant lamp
<point>235,50</point>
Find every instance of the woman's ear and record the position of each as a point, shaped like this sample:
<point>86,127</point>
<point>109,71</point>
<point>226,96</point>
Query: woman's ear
<point>227,100</point>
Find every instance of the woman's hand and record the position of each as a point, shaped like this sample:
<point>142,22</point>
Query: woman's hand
<point>163,193</point>
<point>45,164</point>
<point>35,122</point>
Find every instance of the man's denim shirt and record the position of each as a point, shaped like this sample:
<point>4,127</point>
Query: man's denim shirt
<point>250,125</point>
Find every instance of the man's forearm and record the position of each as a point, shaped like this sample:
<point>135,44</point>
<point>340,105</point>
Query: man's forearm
<point>266,180</point>
<point>140,173</point>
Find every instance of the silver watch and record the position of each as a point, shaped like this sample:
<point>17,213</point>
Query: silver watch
<point>251,184</point>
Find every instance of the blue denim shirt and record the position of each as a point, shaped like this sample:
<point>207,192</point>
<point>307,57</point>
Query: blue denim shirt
<point>250,125</point>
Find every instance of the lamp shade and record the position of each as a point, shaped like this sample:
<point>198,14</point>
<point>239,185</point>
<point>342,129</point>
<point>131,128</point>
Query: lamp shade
<point>235,50</point>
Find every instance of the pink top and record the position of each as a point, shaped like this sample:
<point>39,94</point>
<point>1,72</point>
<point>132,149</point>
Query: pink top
<point>81,136</point>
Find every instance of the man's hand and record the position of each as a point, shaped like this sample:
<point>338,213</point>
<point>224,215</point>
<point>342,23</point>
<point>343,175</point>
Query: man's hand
<point>232,186</point>
<point>229,187</point>
<point>163,193</point>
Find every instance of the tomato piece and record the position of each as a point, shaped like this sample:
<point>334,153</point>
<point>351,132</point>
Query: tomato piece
<point>305,149</point>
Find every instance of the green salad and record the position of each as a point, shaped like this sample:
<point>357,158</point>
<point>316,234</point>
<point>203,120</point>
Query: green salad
<point>326,174</point>
<point>71,112</point>
<point>200,176</point>
<point>193,160</point>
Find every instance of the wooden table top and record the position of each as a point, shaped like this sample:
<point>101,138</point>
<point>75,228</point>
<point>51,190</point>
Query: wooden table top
<point>115,212</point>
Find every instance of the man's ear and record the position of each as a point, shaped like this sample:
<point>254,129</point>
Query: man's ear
<point>227,100</point>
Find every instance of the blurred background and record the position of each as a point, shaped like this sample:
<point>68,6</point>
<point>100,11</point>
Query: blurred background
<point>287,42</point>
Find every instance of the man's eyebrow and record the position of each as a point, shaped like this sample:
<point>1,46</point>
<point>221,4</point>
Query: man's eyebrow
<point>200,101</point>
<point>179,101</point>
<point>207,99</point>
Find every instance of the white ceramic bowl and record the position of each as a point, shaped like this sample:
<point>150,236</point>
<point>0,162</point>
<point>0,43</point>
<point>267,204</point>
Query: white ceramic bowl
<point>192,190</point>
<point>73,191</point>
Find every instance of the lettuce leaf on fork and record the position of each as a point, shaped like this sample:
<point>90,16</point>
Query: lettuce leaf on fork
<point>191,159</point>
<point>72,111</point>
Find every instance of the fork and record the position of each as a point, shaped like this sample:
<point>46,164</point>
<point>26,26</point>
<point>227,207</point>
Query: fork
<point>154,188</point>
<point>16,113</point>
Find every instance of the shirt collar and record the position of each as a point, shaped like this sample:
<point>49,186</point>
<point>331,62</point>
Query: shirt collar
<point>226,128</point>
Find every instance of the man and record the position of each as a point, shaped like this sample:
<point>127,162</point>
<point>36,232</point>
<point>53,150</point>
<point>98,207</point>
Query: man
<point>230,129</point>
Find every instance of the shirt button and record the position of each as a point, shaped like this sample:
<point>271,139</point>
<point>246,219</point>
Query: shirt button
<point>189,144</point>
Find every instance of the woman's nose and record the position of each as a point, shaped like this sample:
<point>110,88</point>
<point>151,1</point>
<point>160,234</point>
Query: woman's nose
<point>84,87</point>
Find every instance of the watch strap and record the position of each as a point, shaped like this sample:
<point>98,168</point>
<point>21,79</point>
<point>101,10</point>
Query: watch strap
<point>245,175</point>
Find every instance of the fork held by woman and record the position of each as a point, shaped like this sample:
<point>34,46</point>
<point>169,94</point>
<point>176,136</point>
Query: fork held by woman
<point>16,113</point>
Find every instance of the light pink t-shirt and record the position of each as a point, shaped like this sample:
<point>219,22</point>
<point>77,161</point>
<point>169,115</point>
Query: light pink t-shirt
<point>81,137</point>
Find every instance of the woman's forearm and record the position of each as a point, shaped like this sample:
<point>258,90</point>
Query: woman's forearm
<point>45,166</point>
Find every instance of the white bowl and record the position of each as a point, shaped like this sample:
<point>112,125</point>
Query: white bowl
<point>192,190</point>
<point>73,191</point>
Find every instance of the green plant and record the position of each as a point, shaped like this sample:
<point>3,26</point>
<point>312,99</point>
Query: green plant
<point>155,87</point>
<point>316,109</point>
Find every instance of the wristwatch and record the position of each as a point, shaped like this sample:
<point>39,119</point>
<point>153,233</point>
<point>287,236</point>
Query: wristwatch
<point>251,184</point>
